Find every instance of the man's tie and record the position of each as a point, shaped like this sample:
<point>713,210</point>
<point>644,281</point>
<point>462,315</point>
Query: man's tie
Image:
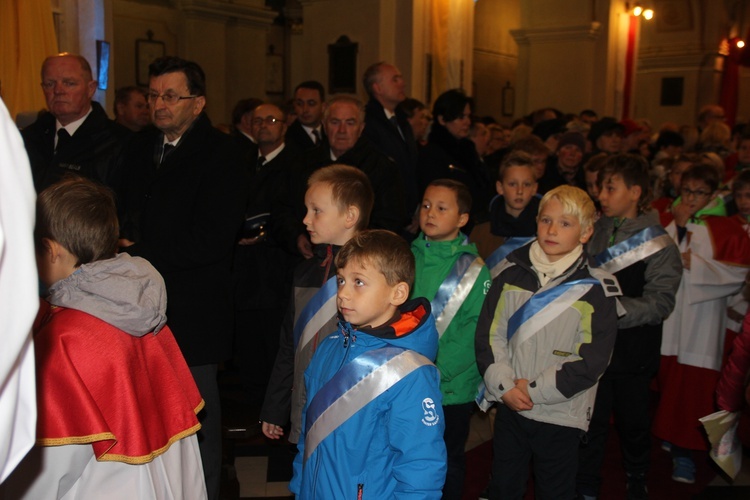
<point>394,121</point>
<point>166,149</point>
<point>63,138</point>
<point>316,135</point>
<point>261,161</point>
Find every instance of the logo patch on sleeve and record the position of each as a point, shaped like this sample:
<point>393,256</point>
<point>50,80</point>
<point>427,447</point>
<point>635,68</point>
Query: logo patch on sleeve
<point>430,412</point>
<point>561,353</point>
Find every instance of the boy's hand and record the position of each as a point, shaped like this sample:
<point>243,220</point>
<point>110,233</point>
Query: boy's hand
<point>272,431</point>
<point>516,400</point>
<point>523,385</point>
<point>681,213</point>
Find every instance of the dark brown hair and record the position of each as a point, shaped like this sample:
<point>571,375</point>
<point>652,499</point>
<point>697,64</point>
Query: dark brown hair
<point>386,251</point>
<point>81,216</point>
<point>463,195</point>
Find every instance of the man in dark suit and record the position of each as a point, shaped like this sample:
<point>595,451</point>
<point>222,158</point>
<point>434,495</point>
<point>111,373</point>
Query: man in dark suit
<point>262,268</point>
<point>388,127</point>
<point>185,193</point>
<point>307,130</point>
<point>76,136</point>
<point>344,121</point>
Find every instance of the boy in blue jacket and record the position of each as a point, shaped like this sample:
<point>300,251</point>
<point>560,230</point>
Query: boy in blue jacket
<point>373,423</point>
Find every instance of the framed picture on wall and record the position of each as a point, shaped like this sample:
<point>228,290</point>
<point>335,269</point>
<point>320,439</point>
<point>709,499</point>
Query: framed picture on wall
<point>145,53</point>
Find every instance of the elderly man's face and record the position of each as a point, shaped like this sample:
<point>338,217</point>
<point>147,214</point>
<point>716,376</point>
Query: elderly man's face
<point>268,126</point>
<point>343,126</point>
<point>173,119</point>
<point>390,86</point>
<point>68,89</point>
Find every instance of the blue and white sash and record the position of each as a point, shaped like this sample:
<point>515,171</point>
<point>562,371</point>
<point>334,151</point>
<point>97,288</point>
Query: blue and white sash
<point>358,383</point>
<point>634,249</point>
<point>510,244</point>
<point>546,305</point>
<point>316,313</point>
<point>454,289</point>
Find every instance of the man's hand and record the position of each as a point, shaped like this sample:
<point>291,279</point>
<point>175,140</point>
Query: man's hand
<point>124,243</point>
<point>304,246</point>
<point>272,431</point>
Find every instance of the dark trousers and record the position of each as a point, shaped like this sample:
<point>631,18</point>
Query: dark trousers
<point>457,419</point>
<point>256,342</point>
<point>627,395</point>
<point>553,449</point>
<point>209,436</point>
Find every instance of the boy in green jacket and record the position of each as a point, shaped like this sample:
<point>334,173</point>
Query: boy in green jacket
<point>450,274</point>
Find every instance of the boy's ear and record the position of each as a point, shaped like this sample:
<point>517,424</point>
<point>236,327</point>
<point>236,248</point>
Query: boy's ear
<point>352,216</point>
<point>636,192</point>
<point>399,293</point>
<point>441,121</point>
<point>586,234</point>
<point>462,220</point>
<point>499,187</point>
<point>51,249</point>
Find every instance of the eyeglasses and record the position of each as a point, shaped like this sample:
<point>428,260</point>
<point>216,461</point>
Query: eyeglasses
<point>268,120</point>
<point>687,193</point>
<point>168,98</point>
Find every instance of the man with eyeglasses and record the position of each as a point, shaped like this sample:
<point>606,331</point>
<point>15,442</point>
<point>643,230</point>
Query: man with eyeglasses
<point>262,289</point>
<point>182,205</point>
<point>76,136</point>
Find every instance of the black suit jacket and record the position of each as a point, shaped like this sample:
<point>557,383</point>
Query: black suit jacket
<point>188,212</point>
<point>94,151</point>
<point>297,139</point>
<point>388,209</point>
<point>402,150</point>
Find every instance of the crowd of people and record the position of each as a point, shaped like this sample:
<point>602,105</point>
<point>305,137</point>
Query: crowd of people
<point>377,272</point>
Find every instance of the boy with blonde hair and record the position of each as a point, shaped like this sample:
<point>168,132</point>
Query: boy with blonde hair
<point>544,337</point>
<point>339,200</point>
<point>373,422</point>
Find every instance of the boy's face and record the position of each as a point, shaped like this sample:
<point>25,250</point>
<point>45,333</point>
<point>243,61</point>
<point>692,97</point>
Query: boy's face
<point>324,221</point>
<point>742,199</point>
<point>439,218</point>
<point>696,194</point>
<point>569,157</point>
<point>364,297</point>
<point>619,200</point>
<point>540,164</point>
<point>517,188</point>
<point>558,233</point>
<point>743,152</point>
<point>592,188</point>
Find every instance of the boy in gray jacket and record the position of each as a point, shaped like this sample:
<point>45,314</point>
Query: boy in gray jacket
<point>544,337</point>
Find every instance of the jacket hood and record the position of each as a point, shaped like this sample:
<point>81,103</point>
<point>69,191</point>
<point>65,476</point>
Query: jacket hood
<point>126,292</point>
<point>414,330</point>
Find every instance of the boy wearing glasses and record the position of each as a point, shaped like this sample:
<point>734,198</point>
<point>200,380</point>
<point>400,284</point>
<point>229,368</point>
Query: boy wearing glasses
<point>715,263</point>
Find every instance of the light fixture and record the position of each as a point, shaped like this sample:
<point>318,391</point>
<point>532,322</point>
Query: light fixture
<point>648,14</point>
<point>637,10</point>
<point>740,44</point>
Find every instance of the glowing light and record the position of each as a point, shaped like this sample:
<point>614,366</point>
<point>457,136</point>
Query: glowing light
<point>637,10</point>
<point>740,44</point>
<point>648,14</point>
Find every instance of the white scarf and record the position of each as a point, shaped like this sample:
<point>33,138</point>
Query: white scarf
<point>547,270</point>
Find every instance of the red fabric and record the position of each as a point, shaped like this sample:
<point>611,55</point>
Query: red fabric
<point>729,96</point>
<point>409,321</point>
<point>687,394</point>
<point>663,206</point>
<point>130,397</point>
<point>630,56</point>
<point>730,393</point>
<point>730,241</point>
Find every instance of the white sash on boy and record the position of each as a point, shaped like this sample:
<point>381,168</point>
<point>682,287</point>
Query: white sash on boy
<point>544,306</point>
<point>634,249</point>
<point>354,386</point>
<point>316,313</point>
<point>510,244</point>
<point>454,289</point>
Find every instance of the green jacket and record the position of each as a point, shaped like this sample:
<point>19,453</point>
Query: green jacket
<point>456,360</point>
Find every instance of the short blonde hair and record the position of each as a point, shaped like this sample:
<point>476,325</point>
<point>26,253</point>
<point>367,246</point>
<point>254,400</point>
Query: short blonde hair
<point>575,202</point>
